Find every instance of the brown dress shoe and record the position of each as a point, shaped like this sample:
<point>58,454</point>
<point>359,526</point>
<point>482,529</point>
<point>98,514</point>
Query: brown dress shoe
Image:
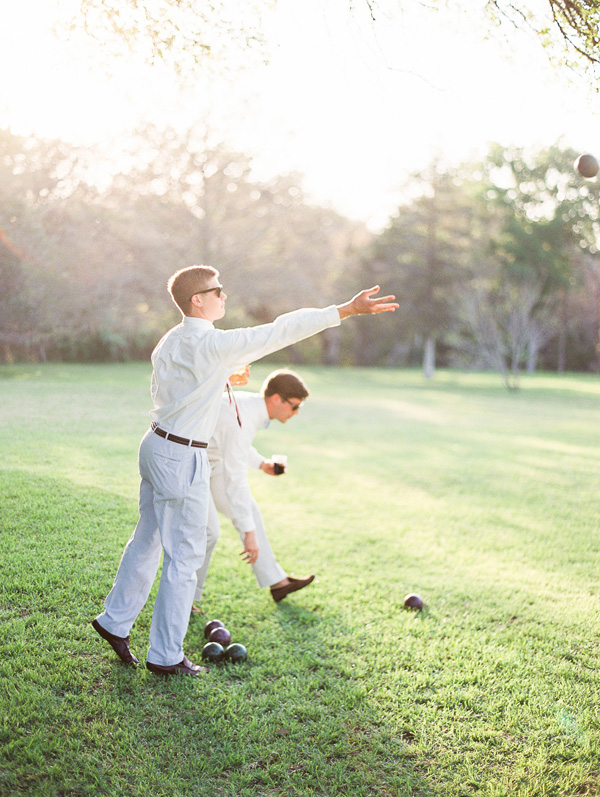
<point>119,644</point>
<point>279,593</point>
<point>184,667</point>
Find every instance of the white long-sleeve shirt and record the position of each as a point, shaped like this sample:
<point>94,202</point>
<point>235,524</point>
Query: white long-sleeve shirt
<point>231,453</point>
<point>193,360</point>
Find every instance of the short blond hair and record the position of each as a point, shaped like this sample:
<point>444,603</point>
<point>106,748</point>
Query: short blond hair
<point>183,284</point>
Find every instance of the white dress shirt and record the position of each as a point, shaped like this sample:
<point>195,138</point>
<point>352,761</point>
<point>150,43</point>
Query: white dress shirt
<point>193,361</point>
<point>231,453</point>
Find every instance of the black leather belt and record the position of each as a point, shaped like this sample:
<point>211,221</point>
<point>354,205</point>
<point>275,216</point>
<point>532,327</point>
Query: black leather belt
<point>183,441</point>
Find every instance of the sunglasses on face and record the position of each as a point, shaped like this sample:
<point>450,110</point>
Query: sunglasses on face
<point>218,290</point>
<point>295,407</point>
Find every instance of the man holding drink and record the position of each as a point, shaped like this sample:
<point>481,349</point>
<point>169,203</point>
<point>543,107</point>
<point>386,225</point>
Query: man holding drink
<point>231,454</point>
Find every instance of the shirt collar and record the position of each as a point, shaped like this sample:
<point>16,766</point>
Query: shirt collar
<point>201,323</point>
<point>264,415</point>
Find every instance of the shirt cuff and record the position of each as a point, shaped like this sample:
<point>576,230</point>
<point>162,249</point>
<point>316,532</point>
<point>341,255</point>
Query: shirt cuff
<point>255,459</point>
<point>333,315</point>
<point>244,525</point>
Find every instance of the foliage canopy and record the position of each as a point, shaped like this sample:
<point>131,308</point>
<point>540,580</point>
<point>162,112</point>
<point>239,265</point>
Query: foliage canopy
<point>186,33</point>
<point>577,23</point>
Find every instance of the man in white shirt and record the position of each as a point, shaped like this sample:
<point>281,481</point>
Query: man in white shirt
<point>191,363</point>
<point>231,454</point>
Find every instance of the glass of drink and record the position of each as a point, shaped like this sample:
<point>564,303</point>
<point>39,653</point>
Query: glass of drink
<point>279,463</point>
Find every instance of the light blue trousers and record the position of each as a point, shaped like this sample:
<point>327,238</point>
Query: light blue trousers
<point>173,504</point>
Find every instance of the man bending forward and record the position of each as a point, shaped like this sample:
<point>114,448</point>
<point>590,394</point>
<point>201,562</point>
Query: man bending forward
<point>231,453</point>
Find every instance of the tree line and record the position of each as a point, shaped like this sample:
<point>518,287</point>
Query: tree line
<point>495,263</point>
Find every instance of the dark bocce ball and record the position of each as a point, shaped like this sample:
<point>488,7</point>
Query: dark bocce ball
<point>587,166</point>
<point>210,625</point>
<point>413,601</point>
<point>221,635</point>
<point>212,651</point>
<point>236,652</point>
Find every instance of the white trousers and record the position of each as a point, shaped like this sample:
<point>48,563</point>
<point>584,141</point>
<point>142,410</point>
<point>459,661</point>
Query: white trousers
<point>266,569</point>
<point>174,500</point>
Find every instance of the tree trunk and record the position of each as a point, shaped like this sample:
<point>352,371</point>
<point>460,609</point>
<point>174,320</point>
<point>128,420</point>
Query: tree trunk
<point>330,346</point>
<point>562,350</point>
<point>533,350</point>
<point>562,338</point>
<point>429,357</point>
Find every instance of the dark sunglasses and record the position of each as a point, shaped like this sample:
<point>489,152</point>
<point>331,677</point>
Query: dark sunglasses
<point>295,407</point>
<point>218,290</point>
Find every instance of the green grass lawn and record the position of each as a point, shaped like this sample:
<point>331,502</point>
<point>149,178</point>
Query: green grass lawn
<point>485,502</point>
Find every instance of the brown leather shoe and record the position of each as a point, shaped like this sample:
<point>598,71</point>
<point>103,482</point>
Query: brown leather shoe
<point>184,667</point>
<point>279,593</point>
<point>119,644</point>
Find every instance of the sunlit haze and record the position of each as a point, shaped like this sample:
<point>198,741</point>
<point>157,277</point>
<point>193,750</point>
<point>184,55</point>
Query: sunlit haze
<point>354,106</point>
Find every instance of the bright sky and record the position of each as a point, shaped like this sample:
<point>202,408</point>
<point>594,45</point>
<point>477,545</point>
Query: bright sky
<point>354,106</point>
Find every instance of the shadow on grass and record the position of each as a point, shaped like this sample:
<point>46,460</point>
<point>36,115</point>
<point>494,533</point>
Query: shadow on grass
<point>296,719</point>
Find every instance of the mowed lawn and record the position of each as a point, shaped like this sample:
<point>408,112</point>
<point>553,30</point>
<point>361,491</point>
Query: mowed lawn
<point>485,502</point>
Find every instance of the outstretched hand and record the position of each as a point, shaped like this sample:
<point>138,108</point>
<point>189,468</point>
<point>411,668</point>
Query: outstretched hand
<point>364,304</point>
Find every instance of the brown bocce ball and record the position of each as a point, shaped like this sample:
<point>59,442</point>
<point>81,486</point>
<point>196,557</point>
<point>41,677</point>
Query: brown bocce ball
<point>587,166</point>
<point>413,601</point>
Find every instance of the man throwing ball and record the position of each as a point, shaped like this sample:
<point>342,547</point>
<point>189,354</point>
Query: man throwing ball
<point>191,364</point>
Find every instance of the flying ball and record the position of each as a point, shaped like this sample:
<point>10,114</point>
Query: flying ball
<point>221,635</point>
<point>212,651</point>
<point>236,652</point>
<point>211,625</point>
<point>587,166</point>
<point>413,601</point>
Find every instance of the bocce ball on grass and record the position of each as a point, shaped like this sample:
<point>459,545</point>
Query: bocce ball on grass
<point>236,652</point>
<point>221,635</point>
<point>219,646</point>
<point>211,625</point>
<point>413,601</point>
<point>212,651</point>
